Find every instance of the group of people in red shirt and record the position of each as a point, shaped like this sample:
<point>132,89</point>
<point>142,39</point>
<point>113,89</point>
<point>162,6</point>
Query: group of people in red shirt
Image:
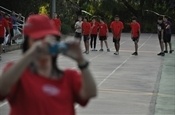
<point>90,30</point>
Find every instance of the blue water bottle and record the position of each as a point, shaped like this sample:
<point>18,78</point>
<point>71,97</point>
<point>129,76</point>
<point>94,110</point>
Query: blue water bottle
<point>58,47</point>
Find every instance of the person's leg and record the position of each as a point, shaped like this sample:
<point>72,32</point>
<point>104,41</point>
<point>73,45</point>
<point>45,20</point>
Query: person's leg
<point>165,41</point>
<point>95,41</point>
<point>87,46</point>
<point>91,41</point>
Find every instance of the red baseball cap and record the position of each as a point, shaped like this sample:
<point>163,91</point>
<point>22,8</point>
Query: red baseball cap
<point>38,26</point>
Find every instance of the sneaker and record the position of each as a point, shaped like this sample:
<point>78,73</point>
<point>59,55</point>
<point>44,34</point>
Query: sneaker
<point>108,50</point>
<point>171,51</point>
<point>163,54</point>
<point>165,51</point>
<point>135,53</point>
<point>159,54</point>
<point>95,50</point>
<point>101,50</point>
<point>116,53</point>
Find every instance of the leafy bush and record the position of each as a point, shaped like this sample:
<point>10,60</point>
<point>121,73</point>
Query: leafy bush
<point>66,29</point>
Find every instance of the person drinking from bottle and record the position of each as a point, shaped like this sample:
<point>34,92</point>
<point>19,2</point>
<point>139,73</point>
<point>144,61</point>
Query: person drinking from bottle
<point>34,85</point>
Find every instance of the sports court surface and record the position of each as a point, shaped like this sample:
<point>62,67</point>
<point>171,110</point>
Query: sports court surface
<point>127,85</point>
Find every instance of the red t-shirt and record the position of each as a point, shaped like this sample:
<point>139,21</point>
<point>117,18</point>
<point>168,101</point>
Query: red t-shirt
<point>3,25</point>
<point>37,95</point>
<point>135,28</point>
<point>103,29</point>
<point>116,27</point>
<point>10,23</point>
<point>57,23</point>
<point>86,28</point>
<point>94,28</point>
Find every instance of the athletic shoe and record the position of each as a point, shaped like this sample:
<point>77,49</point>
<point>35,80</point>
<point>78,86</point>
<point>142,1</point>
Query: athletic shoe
<point>95,50</point>
<point>135,53</point>
<point>171,51</point>
<point>116,53</point>
<point>161,54</point>
<point>101,50</point>
<point>165,51</point>
<point>108,50</point>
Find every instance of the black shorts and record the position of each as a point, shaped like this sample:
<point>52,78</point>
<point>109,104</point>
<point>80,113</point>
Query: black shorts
<point>135,39</point>
<point>167,38</point>
<point>116,40</point>
<point>86,37</point>
<point>1,40</point>
<point>102,38</point>
<point>78,35</point>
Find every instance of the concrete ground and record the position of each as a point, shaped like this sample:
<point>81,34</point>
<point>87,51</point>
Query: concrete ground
<point>127,85</point>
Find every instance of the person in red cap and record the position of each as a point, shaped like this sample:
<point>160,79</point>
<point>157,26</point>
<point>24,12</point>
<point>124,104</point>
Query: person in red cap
<point>35,85</point>
<point>116,28</point>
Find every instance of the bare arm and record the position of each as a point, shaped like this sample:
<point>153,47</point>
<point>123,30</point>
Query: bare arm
<point>89,89</point>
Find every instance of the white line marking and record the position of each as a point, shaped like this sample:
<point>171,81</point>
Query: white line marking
<point>121,64</point>
<point>3,104</point>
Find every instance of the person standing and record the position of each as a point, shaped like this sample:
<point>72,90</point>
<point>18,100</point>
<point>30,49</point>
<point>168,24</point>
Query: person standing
<point>167,36</point>
<point>3,25</point>
<point>103,34</point>
<point>94,32</point>
<point>116,28</point>
<point>161,32</point>
<point>56,21</point>
<point>86,28</point>
<point>78,28</point>
<point>35,85</point>
<point>135,33</point>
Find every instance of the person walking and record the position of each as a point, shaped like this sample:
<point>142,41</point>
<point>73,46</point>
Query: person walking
<point>34,85</point>
<point>103,34</point>
<point>116,28</point>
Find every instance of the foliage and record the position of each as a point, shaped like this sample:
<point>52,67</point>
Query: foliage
<point>69,9</point>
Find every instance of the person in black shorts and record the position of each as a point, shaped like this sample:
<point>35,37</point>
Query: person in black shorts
<point>167,35</point>
<point>103,33</point>
<point>160,32</point>
<point>78,28</point>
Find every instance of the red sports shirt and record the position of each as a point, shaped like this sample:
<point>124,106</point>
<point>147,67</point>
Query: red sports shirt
<point>9,21</point>
<point>94,28</point>
<point>103,29</point>
<point>3,25</point>
<point>37,95</point>
<point>135,28</point>
<point>57,23</point>
<point>86,27</point>
<point>116,27</point>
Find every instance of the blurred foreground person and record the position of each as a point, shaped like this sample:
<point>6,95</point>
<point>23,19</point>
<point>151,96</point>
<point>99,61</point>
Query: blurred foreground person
<point>35,85</point>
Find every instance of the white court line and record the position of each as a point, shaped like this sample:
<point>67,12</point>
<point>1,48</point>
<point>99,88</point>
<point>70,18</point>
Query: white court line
<point>117,68</point>
<point>3,104</point>
<point>121,64</point>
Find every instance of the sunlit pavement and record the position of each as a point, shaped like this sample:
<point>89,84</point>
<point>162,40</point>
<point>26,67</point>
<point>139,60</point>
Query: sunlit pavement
<point>127,85</point>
